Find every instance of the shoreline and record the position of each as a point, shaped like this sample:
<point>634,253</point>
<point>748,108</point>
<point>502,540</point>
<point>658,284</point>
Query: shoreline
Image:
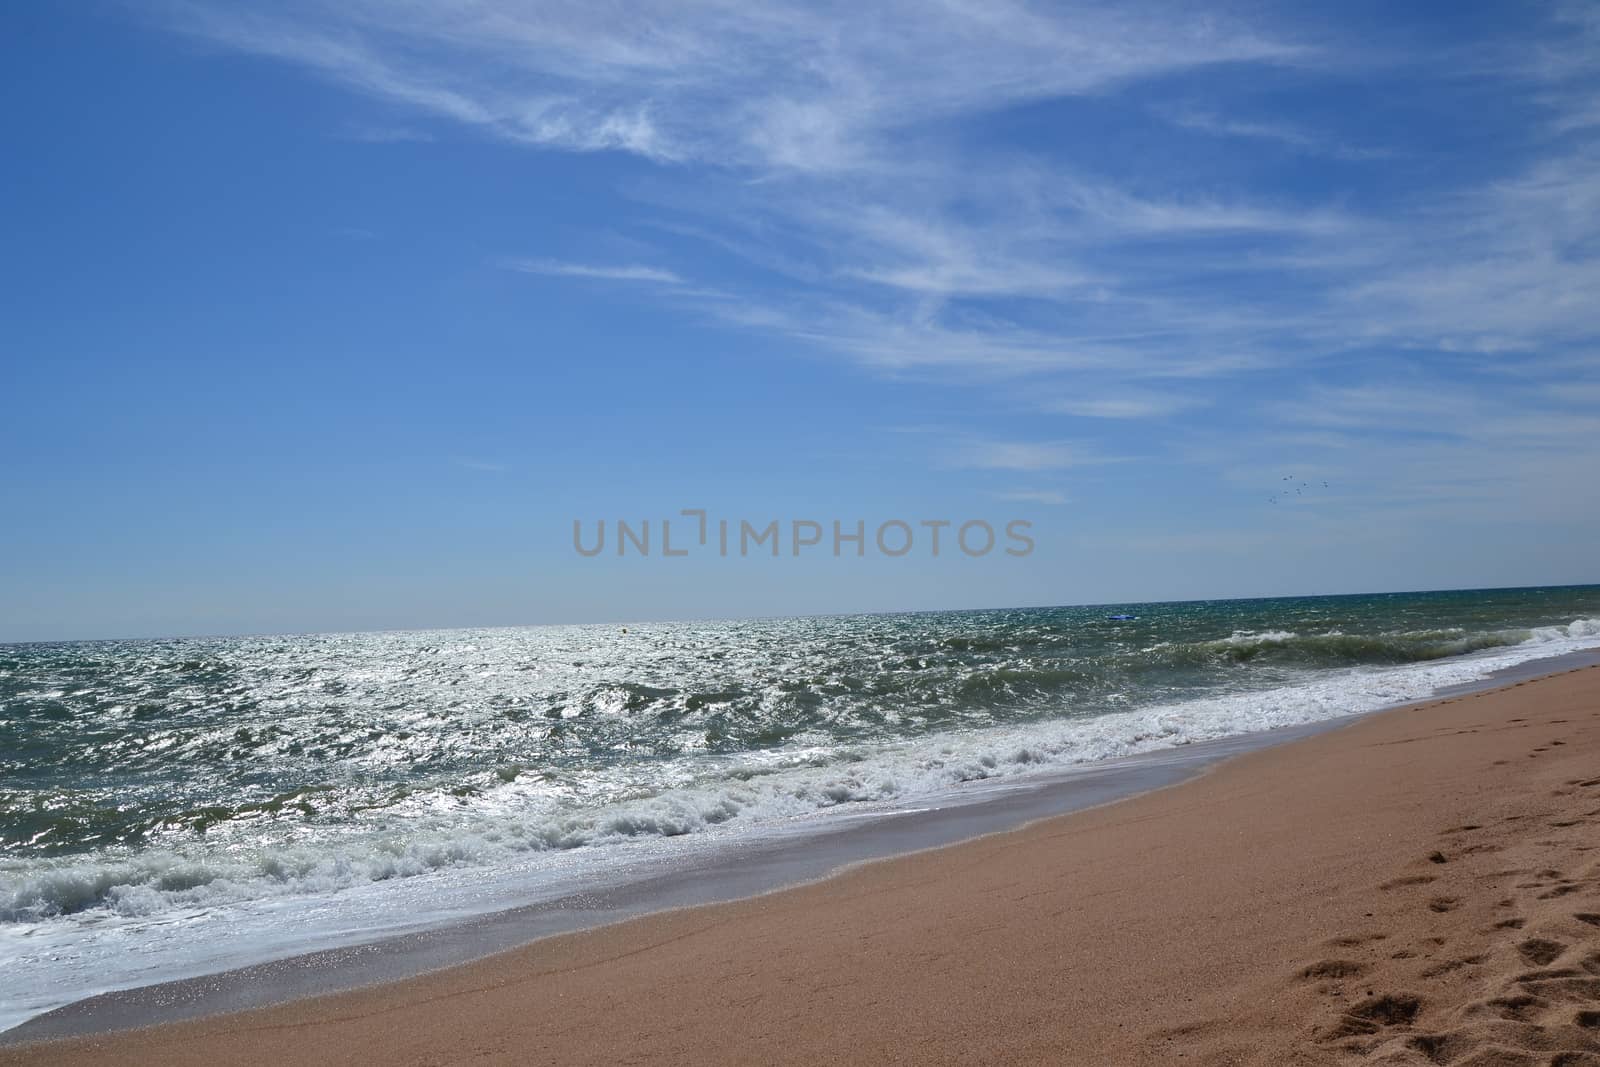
<point>748,874</point>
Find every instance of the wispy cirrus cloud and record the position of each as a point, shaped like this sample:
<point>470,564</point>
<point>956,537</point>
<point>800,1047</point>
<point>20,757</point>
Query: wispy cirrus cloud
<point>758,83</point>
<point>1123,405</point>
<point>868,237</point>
<point>832,176</point>
<point>428,59</point>
<point>625,273</point>
<point>1289,135</point>
<point>1509,265</point>
<point>1027,455</point>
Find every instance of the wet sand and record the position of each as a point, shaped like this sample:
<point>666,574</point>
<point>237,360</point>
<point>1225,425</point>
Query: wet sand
<point>1421,886</point>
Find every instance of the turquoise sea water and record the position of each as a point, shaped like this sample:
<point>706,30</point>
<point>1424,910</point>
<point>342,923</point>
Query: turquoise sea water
<point>153,790</point>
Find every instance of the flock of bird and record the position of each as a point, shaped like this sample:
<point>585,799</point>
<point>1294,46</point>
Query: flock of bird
<point>1299,489</point>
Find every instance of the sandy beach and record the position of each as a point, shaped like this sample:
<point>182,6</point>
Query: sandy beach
<point>1419,887</point>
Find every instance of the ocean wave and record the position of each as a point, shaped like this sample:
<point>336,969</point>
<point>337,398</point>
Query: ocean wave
<point>514,816</point>
<point>1337,648</point>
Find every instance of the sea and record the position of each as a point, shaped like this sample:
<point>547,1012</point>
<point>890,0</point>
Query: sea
<point>172,808</point>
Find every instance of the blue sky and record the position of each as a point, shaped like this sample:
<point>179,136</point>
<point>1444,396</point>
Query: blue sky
<point>336,315</point>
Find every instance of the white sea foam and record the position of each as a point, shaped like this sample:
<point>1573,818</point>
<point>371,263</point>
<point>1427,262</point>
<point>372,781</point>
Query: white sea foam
<point>1250,638</point>
<point>79,925</point>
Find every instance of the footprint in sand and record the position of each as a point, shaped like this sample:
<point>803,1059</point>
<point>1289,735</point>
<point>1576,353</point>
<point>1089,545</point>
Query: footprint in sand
<point>1546,974</point>
<point>1575,1059</point>
<point>1444,904</point>
<point>1375,1013</point>
<point>1560,891</point>
<point>1448,966</point>
<point>1408,880</point>
<point>1324,969</point>
<point>1538,951</point>
<point>1351,940</point>
<point>1564,987</point>
<point>1519,1007</point>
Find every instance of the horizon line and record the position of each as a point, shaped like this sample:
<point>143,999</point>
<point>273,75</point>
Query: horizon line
<point>624,623</point>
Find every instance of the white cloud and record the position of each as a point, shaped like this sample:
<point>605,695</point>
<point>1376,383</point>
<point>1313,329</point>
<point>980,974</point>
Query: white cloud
<point>1026,455</point>
<point>628,273</point>
<point>1513,265</point>
<point>1287,134</point>
<point>1563,64</point>
<point>752,82</point>
<point>428,58</point>
<point>1123,405</point>
<point>821,151</point>
<point>1112,210</point>
<point>894,251</point>
<point>925,254</point>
